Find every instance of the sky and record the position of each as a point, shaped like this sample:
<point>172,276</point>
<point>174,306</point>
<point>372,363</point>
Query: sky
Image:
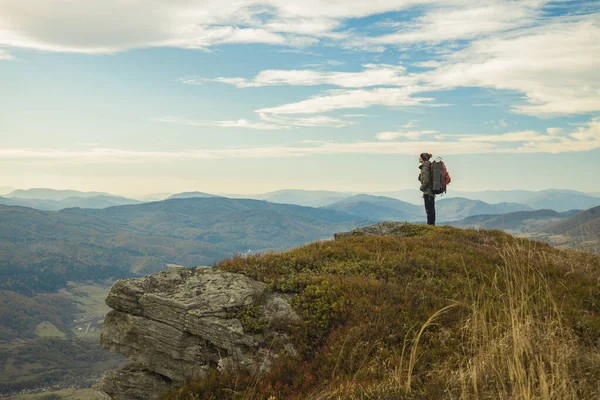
<point>149,96</point>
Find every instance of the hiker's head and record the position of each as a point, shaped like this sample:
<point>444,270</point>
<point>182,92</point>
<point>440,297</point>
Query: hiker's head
<point>425,157</point>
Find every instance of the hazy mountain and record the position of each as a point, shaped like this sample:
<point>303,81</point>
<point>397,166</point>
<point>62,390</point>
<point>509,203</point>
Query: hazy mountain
<point>554,199</point>
<point>43,249</point>
<point>582,231</point>
<point>388,209</point>
<point>100,201</point>
<point>563,201</point>
<point>413,196</point>
<point>154,197</point>
<point>32,203</point>
<point>317,198</point>
<point>190,195</point>
<point>51,194</point>
<point>557,199</point>
<point>449,209</point>
<point>594,194</point>
<point>585,225</point>
<point>505,196</point>
<point>515,222</point>
<point>378,208</point>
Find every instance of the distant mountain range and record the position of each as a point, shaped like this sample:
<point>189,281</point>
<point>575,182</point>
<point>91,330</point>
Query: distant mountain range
<point>457,208</point>
<point>95,201</point>
<point>505,200</point>
<point>190,195</point>
<point>388,209</point>
<point>575,228</point>
<point>585,225</point>
<point>318,198</point>
<point>554,199</point>
<point>51,194</point>
<point>515,222</point>
<point>379,208</point>
<point>43,249</point>
<point>154,197</point>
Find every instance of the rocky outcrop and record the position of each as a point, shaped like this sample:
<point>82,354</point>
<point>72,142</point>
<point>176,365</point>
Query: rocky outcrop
<point>397,229</point>
<point>176,324</point>
<point>133,381</point>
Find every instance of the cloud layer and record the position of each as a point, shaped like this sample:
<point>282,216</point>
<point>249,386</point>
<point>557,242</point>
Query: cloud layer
<point>504,45</point>
<point>584,138</point>
<point>555,66</point>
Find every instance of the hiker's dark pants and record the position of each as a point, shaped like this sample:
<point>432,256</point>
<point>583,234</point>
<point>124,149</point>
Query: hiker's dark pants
<point>430,208</point>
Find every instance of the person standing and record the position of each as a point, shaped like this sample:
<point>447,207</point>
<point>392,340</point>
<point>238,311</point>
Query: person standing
<point>427,186</point>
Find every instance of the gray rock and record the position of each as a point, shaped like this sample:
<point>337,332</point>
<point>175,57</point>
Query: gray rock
<point>134,382</point>
<point>398,229</point>
<point>180,322</point>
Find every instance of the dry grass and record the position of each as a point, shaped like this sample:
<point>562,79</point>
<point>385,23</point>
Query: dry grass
<point>449,314</point>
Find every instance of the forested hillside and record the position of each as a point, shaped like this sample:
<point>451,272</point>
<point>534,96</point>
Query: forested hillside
<point>42,250</point>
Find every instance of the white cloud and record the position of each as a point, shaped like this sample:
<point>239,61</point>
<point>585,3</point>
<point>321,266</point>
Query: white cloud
<point>411,124</point>
<point>427,64</point>
<point>312,121</point>
<point>505,45</point>
<point>345,99</point>
<point>555,66</point>
<point>269,122</point>
<point>463,20</point>
<point>372,75</point>
<point>412,135</point>
<point>240,123</point>
<point>585,138</point>
<point>66,26</point>
<point>554,131</point>
<point>512,137</point>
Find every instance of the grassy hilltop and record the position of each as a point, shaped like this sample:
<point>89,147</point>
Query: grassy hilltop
<point>427,313</point>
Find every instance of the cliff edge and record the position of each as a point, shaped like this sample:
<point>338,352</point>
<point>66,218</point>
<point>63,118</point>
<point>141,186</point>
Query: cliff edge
<point>178,323</point>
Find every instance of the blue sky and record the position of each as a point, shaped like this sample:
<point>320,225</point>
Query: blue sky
<point>137,97</point>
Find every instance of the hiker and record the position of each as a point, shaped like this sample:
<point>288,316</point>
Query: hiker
<point>427,186</point>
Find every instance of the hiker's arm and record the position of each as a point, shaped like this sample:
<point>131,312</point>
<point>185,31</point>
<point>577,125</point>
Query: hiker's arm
<point>425,178</point>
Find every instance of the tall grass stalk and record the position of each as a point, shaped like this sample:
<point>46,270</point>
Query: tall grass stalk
<point>515,344</point>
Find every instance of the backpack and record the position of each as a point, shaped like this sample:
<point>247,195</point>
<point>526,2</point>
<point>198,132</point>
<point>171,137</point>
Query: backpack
<point>440,177</point>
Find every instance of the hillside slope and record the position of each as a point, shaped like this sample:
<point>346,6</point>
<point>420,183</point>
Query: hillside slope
<point>449,209</point>
<point>310,198</point>
<point>583,224</point>
<point>401,311</point>
<point>43,249</point>
<point>563,201</point>
<point>51,194</point>
<point>100,201</point>
<point>515,222</point>
<point>378,208</point>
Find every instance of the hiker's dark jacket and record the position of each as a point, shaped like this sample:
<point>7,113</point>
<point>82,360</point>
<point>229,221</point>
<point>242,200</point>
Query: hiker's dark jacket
<point>425,178</point>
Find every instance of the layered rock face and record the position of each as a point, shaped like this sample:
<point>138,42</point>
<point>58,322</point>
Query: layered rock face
<point>176,324</point>
<point>388,228</point>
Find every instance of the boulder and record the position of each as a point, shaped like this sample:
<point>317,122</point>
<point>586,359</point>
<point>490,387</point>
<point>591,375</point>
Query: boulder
<point>177,324</point>
<point>388,228</point>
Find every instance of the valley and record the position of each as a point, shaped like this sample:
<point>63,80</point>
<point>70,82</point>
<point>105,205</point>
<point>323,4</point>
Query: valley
<point>58,266</point>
